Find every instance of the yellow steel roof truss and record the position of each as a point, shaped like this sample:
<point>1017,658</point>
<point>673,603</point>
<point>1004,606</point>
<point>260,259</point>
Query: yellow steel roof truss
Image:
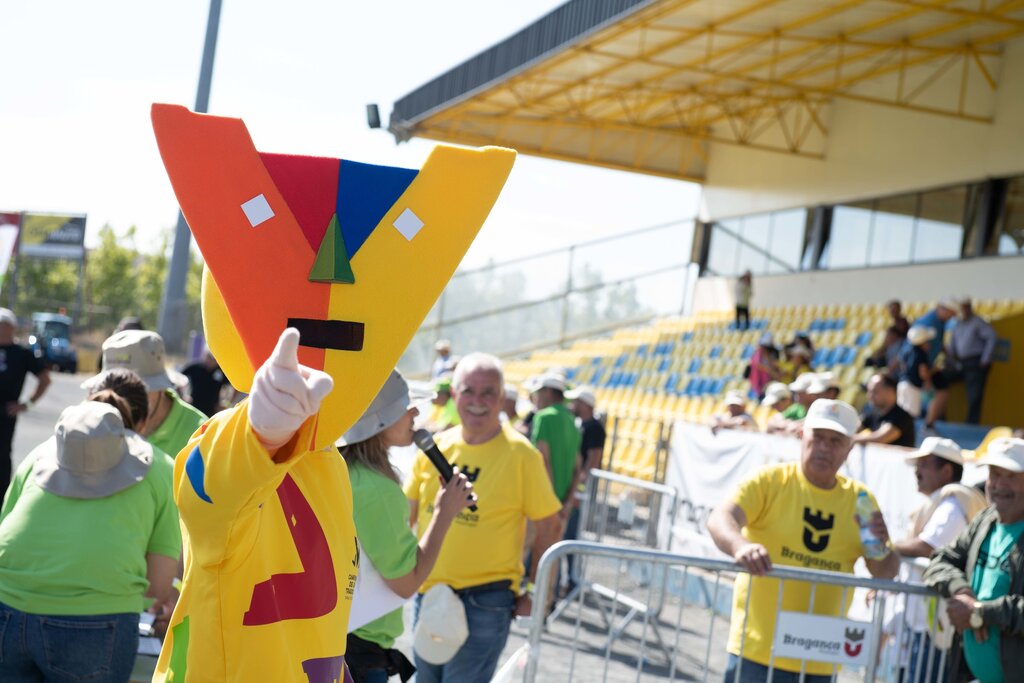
<point>650,92</point>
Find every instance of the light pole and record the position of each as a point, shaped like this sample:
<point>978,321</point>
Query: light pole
<point>172,308</point>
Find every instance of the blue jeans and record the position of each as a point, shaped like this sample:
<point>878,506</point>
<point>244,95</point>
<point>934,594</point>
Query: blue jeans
<point>917,667</point>
<point>40,648</point>
<point>488,616</point>
<point>752,672</point>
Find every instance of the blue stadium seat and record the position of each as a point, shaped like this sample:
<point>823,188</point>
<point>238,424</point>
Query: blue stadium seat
<point>672,381</point>
<point>716,352</point>
<point>694,366</point>
<point>570,373</point>
<point>748,352</point>
<point>596,378</point>
<point>642,350</point>
<point>664,364</point>
<point>816,325</point>
<point>687,336</point>
<point>865,338</point>
<point>621,360</point>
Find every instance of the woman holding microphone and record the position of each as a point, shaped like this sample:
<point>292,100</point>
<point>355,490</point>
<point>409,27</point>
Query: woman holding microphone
<point>381,514</point>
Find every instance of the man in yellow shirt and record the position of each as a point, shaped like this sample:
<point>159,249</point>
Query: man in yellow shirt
<point>799,515</point>
<point>481,558</point>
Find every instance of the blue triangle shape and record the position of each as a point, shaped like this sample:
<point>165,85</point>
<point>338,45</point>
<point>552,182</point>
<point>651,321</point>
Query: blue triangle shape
<point>365,193</point>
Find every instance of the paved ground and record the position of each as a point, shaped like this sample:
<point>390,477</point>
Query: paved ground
<point>37,425</point>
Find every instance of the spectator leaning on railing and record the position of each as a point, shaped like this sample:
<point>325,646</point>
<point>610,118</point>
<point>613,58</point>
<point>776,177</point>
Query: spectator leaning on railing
<point>982,573</point>
<point>801,515</point>
<point>938,466</point>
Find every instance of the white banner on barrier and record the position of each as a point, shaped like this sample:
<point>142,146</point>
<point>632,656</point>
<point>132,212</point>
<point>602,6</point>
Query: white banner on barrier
<point>706,468</point>
<point>821,639</point>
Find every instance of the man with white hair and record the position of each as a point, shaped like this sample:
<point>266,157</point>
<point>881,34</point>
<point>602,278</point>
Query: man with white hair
<point>16,362</point>
<point>799,514</point>
<point>481,559</point>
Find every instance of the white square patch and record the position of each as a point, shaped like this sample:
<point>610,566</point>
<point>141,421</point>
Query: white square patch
<point>408,224</point>
<point>257,210</point>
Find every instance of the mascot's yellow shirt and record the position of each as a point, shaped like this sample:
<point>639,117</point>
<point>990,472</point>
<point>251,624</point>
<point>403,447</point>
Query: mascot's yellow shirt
<point>271,560</point>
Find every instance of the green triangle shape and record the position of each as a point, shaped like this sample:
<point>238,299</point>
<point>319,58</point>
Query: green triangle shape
<point>331,263</point>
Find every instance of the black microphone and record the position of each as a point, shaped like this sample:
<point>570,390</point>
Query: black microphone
<point>425,442</point>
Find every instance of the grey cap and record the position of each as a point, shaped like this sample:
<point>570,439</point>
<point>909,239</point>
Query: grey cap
<point>390,404</point>
<point>91,454</point>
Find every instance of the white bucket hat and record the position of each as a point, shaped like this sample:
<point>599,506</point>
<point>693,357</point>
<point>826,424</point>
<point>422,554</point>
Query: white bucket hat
<point>91,454</point>
<point>838,416</point>
<point>735,398</point>
<point>143,352</point>
<point>390,403</point>
<point>947,449</point>
<point>1005,453</point>
<point>442,628</point>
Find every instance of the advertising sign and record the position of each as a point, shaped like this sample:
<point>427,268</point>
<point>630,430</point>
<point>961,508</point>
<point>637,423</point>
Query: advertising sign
<point>52,236</point>
<point>9,225</point>
<point>816,638</point>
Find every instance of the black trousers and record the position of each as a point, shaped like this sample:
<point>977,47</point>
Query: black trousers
<point>6,438</point>
<point>974,377</point>
<point>742,313</point>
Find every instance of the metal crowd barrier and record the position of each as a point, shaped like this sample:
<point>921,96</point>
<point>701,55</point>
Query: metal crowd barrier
<point>625,512</point>
<point>679,619</point>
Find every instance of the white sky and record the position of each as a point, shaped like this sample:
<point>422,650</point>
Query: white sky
<point>79,78</point>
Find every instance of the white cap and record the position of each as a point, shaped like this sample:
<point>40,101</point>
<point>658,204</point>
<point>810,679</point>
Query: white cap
<point>442,345</point>
<point>829,380</point>
<point>511,392</point>
<point>735,398</point>
<point>803,381</point>
<point>775,392</point>
<point>441,629</point>
<point>837,416</point>
<point>549,380</point>
<point>7,316</point>
<point>1005,453</point>
<point>947,449</point>
<point>952,303</point>
<point>584,394</point>
<point>918,334</point>
<point>766,339</point>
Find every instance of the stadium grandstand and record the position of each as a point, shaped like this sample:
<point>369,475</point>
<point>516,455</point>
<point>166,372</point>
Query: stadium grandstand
<point>849,152</point>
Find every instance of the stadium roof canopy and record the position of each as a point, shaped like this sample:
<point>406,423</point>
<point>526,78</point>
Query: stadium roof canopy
<point>652,85</point>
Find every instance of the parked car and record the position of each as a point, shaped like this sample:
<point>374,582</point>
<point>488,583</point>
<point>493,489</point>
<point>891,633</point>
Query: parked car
<point>51,341</point>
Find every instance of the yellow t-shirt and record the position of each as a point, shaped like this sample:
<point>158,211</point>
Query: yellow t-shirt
<point>271,560</point>
<point>800,525</point>
<point>512,485</point>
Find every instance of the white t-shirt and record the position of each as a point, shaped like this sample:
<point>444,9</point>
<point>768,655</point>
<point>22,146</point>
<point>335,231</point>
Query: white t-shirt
<point>942,528</point>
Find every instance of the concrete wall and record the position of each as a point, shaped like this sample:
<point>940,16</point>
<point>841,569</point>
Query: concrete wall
<point>988,278</point>
<point>874,150</point>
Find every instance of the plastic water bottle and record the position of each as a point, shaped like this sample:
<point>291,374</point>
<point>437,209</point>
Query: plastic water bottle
<point>873,547</point>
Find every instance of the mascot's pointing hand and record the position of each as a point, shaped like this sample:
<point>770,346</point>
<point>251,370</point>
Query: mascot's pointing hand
<point>284,393</point>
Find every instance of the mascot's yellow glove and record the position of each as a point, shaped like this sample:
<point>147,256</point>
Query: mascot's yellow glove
<point>285,394</point>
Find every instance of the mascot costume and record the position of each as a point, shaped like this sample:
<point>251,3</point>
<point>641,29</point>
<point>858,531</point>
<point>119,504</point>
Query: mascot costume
<point>318,273</point>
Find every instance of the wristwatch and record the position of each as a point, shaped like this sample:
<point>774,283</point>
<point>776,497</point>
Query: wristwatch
<point>976,620</point>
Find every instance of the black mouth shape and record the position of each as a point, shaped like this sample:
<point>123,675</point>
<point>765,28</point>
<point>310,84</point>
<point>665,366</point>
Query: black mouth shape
<point>338,335</point>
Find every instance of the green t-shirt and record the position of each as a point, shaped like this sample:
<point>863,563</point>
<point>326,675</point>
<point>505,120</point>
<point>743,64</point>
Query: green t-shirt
<point>795,412</point>
<point>556,426</point>
<point>381,514</point>
<point>69,556</point>
<point>181,423</point>
<point>991,580</point>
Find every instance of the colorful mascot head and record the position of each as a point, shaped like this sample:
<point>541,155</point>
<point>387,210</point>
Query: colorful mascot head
<point>353,255</point>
